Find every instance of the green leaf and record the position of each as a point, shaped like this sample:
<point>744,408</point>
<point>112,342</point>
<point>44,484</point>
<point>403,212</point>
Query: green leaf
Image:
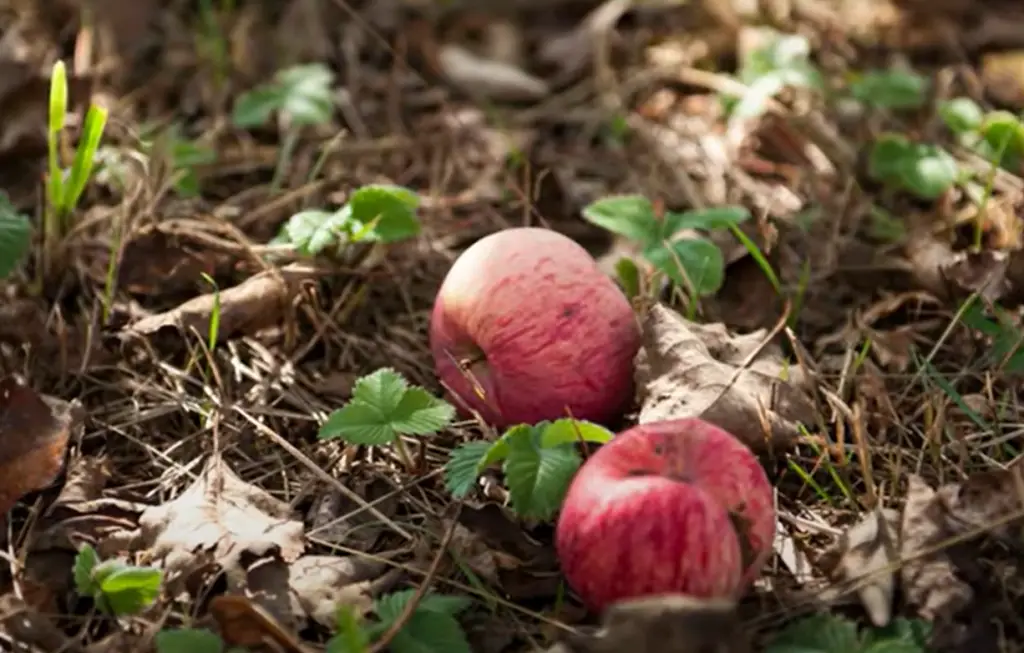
<point>384,213</point>
<point>129,590</point>
<point>629,276</point>
<point>432,627</point>
<point>351,636</point>
<point>421,413</point>
<point>631,216</point>
<point>85,157</point>
<point>569,431</point>
<point>383,389</point>
<point>1004,134</point>
<point>701,259</point>
<point>891,89</point>
<point>538,477</point>
<point>15,237</point>
<point>463,467</point>
<point>358,423</point>
<point>929,171</point>
<point>188,640</point>
<point>821,633</point>
<point>961,115</point>
<point>313,231</point>
<point>721,217</point>
<point>254,108</point>
<point>306,93</point>
<point>886,160</point>
<point>85,562</point>
<point>383,406</point>
<point>900,636</point>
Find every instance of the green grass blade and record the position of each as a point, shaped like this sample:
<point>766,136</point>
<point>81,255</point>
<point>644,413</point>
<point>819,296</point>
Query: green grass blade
<point>85,156</point>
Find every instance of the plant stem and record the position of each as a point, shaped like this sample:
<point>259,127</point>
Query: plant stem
<point>403,454</point>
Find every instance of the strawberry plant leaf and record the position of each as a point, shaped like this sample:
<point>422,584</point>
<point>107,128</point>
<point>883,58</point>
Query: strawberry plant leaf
<point>929,171</point>
<point>961,115</point>
<point>313,231</point>
<point>885,162</point>
<point>569,431</point>
<point>538,477</point>
<point>15,237</point>
<point>382,389</point>
<point>629,276</point>
<point>631,216</point>
<point>421,413</point>
<point>384,213</point>
<point>891,89</point>
<point>128,589</point>
<point>821,633</point>
<point>351,637</point>
<point>254,108</point>
<point>432,627</point>
<point>85,562</point>
<point>188,640</point>
<point>721,217</point>
<point>358,423</point>
<point>306,94</point>
<point>699,258</point>
<point>464,466</point>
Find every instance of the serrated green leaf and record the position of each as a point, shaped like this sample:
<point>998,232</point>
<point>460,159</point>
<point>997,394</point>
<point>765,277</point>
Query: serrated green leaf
<point>538,478</point>
<point>569,431</point>
<point>912,633</point>
<point>432,627</point>
<point>85,562</point>
<point>254,108</point>
<point>822,633</point>
<point>421,413</point>
<point>463,467</point>
<point>885,162</point>
<point>385,213</point>
<point>383,389</point>
<point>188,640</point>
<point>721,217</point>
<point>629,276</point>
<point>358,423</point>
<point>701,259</point>
<point>351,636</point>
<point>631,216</point>
<point>891,89</point>
<point>499,449</point>
<point>961,115</point>
<point>306,93</point>
<point>15,237</point>
<point>313,231</point>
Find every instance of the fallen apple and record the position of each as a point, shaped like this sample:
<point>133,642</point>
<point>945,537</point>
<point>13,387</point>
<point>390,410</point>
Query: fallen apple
<point>673,507</point>
<point>527,328</point>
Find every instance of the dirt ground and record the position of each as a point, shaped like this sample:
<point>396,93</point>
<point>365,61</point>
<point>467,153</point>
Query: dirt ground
<point>192,344</point>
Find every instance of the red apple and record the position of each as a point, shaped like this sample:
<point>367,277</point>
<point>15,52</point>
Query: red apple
<point>679,506</point>
<point>526,328</point>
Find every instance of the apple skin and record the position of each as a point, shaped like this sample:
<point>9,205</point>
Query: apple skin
<point>653,512</point>
<point>551,334</point>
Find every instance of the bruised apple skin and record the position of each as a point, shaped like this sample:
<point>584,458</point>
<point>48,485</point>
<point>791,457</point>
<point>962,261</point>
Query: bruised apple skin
<point>679,506</point>
<point>526,319</point>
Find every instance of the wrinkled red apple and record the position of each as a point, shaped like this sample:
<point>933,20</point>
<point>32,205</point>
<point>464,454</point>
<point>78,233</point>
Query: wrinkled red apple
<point>679,506</point>
<point>526,328</point>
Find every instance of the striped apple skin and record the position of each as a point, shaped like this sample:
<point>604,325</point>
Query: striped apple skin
<point>679,506</point>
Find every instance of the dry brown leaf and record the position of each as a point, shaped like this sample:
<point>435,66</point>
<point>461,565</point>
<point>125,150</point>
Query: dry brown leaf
<point>322,584</point>
<point>29,629</point>
<point>243,623</point>
<point>1002,73</point>
<point>684,370</point>
<point>337,519</point>
<point>214,521</point>
<point>929,581</point>
<point>864,559</point>
<point>488,78</point>
<point>257,302</point>
<point>674,623</point>
<point>573,51</point>
<point>34,432</point>
<point>987,500</point>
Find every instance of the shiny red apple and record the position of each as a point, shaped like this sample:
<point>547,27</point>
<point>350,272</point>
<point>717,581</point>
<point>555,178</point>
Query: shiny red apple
<point>526,328</point>
<point>679,506</point>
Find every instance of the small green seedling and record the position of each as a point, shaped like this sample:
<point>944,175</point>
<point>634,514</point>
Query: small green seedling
<point>300,96</point>
<point>65,187</point>
<point>375,213</point>
<point>825,633</point>
<point>693,263</point>
<point>923,169</point>
<point>890,89</point>
<point>539,462</point>
<point>116,587</point>
<point>384,407</point>
<point>782,62</point>
<point>15,236</point>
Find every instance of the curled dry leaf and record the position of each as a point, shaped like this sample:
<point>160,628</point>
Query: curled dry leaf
<point>863,560</point>
<point>685,369</point>
<point>323,584</point>
<point>929,580</point>
<point>490,78</point>
<point>257,302</point>
<point>34,432</point>
<point>992,501</point>
<point>215,520</point>
<point>676,623</point>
